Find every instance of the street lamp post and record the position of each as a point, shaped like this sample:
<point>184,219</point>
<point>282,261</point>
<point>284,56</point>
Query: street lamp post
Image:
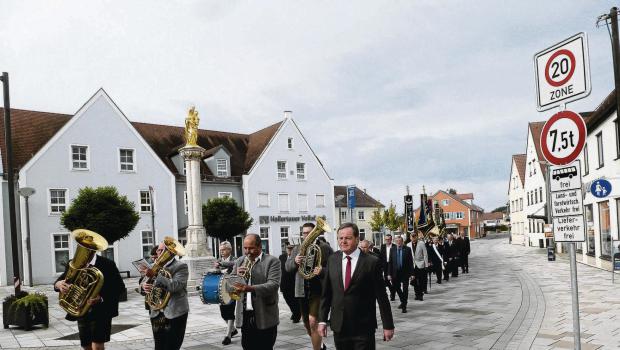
<point>26,192</point>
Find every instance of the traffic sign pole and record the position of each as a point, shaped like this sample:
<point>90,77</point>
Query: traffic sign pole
<point>575,296</point>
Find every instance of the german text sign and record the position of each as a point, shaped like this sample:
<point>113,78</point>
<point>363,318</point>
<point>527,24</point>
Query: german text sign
<point>563,137</point>
<point>568,228</point>
<point>562,73</point>
<point>565,203</point>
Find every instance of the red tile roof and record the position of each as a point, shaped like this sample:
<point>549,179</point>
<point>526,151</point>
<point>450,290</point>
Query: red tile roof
<point>493,216</point>
<point>519,160</point>
<point>362,199</point>
<point>466,196</point>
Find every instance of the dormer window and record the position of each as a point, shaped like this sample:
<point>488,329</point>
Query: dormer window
<point>290,143</point>
<point>222,167</point>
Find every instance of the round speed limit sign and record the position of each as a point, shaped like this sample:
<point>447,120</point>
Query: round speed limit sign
<point>563,137</point>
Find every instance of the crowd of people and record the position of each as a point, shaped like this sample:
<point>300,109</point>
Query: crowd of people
<point>342,291</point>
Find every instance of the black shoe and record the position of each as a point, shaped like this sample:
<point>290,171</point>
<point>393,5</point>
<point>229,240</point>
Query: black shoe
<point>401,305</point>
<point>392,298</point>
<point>226,341</point>
<point>405,310</point>
<point>421,298</point>
<point>439,282</point>
<point>324,347</point>
<point>296,321</point>
<point>425,292</point>
<point>417,298</point>
<point>234,332</point>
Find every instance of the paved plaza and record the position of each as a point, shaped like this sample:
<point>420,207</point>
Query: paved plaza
<point>513,298</point>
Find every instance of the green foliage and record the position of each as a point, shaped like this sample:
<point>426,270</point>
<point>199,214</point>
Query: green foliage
<point>451,190</point>
<point>102,210</point>
<point>32,303</point>
<point>390,218</point>
<point>376,220</point>
<point>224,218</point>
<point>501,209</point>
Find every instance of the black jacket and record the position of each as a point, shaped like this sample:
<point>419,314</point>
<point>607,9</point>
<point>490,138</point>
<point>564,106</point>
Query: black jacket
<point>356,305</point>
<point>110,292</point>
<point>434,258</point>
<point>407,268</point>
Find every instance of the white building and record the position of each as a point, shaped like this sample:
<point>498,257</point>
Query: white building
<point>516,195</point>
<point>534,188</point>
<point>365,207</point>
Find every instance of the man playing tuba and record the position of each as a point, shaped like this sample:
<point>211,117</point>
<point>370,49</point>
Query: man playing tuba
<point>308,291</point>
<point>168,323</point>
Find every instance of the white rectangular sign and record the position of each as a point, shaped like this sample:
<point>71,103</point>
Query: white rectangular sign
<point>562,73</point>
<point>569,228</point>
<point>565,177</point>
<point>565,203</point>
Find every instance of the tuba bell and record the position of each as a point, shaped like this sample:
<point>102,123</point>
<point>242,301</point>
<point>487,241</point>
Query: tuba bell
<point>85,282</point>
<point>158,298</point>
<point>311,251</point>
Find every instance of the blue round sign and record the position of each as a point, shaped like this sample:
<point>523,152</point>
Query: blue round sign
<point>600,188</point>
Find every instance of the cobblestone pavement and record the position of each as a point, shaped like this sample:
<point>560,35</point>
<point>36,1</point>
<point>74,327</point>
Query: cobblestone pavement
<point>513,298</point>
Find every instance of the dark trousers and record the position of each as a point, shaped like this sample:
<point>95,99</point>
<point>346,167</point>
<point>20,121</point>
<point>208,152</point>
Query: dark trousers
<point>419,281</point>
<point>465,263</point>
<point>168,333</point>
<point>253,338</point>
<point>401,284</point>
<point>293,304</point>
<point>456,262</point>
<point>437,270</point>
<point>390,286</point>
<point>355,342</point>
<point>447,270</point>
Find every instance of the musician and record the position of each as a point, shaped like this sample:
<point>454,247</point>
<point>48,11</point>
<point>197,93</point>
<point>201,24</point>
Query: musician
<point>420,263</point>
<point>400,269</point>
<point>385,259</point>
<point>308,292</point>
<point>465,250</point>
<point>257,312</point>
<point>95,327</point>
<point>352,287</point>
<point>287,285</point>
<point>225,263</point>
<point>435,254</point>
<point>168,324</point>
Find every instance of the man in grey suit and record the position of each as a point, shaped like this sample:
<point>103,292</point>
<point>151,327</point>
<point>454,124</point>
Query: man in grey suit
<point>257,312</point>
<point>169,323</point>
<point>420,263</point>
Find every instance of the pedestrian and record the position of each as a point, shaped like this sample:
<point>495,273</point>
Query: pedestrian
<point>436,258</point>
<point>225,263</point>
<point>287,286</point>
<point>400,270</point>
<point>466,249</point>
<point>386,249</point>
<point>420,264</point>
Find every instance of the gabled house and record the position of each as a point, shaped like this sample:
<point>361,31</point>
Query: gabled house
<point>365,207</point>
<point>534,188</point>
<point>459,212</point>
<point>516,194</point>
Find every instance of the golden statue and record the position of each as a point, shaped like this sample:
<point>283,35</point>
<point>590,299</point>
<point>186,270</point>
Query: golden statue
<point>191,127</point>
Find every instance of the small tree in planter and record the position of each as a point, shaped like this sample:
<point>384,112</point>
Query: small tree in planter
<point>25,310</point>
<point>224,218</point>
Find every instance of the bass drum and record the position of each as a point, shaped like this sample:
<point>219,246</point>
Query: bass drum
<point>217,288</point>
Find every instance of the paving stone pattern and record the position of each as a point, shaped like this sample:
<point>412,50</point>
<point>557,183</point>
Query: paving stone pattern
<point>513,298</point>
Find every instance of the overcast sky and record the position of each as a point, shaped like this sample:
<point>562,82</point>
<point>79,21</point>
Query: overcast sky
<point>388,93</point>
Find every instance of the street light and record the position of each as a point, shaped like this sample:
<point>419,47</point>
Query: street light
<point>27,192</point>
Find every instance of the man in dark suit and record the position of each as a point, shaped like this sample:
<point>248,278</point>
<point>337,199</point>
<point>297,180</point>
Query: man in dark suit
<point>435,253</point>
<point>257,312</point>
<point>287,285</point>
<point>352,287</point>
<point>168,324</point>
<point>400,270</point>
<point>95,327</point>
<point>465,250</point>
<point>454,251</point>
<point>386,250</point>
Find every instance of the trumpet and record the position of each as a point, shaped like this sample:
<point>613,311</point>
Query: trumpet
<point>246,275</point>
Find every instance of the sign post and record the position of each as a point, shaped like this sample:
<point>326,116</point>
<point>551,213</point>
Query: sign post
<point>351,199</point>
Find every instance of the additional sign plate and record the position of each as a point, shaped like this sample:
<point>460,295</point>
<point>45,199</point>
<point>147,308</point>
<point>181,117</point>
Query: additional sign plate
<point>566,177</point>
<point>562,73</point>
<point>565,203</point>
<point>569,228</point>
<point>600,188</point>
<point>563,137</point>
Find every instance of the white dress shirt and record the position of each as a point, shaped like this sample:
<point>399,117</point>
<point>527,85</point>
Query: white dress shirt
<point>387,251</point>
<point>354,258</point>
<point>249,305</point>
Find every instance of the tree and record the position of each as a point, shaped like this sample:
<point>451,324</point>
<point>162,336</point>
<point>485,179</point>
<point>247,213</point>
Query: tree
<point>224,218</point>
<point>390,218</point>
<point>376,220</point>
<point>102,210</point>
<point>452,191</point>
<point>501,209</point>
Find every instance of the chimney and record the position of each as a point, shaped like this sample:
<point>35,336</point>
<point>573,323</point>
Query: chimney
<point>287,114</point>
<point>364,190</point>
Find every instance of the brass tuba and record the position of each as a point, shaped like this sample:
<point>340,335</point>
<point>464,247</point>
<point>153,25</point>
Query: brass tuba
<point>85,282</point>
<point>311,251</point>
<point>158,298</point>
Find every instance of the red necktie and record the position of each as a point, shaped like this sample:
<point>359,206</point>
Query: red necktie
<point>347,274</point>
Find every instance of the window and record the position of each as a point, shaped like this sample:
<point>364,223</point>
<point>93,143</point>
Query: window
<point>147,243</point>
<point>589,229</point>
<point>284,232</point>
<point>534,166</point>
<point>281,170</point>
<point>360,215</point>
<point>126,160</point>
<point>290,143</point>
<point>58,201</point>
<point>459,215</point>
<point>79,157</point>
<point>61,251</point>
<point>184,168</point>
<point>264,235</point>
<point>263,199</point>
<point>362,233</point>
<point>222,167</point>
<point>224,195</point>
<point>145,201</point>
<point>109,253</point>
<point>528,199</point>
<point>586,162</point>
<point>617,138</point>
<point>301,171</point>
<point>540,194</point>
<point>302,202</point>
<point>185,202</point>
<point>343,215</point>
<point>529,165</point>
<point>445,202</point>
<point>520,203</point>
<point>535,196</point>
<point>320,200</point>
<point>605,228</point>
<point>283,202</point>
<point>599,143</point>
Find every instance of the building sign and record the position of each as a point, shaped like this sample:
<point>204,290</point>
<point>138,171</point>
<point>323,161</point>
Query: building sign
<point>569,228</point>
<point>564,203</point>
<point>266,220</point>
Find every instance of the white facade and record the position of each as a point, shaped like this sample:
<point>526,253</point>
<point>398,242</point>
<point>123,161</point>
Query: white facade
<point>286,187</point>
<point>534,195</point>
<point>516,196</point>
<point>601,161</point>
<point>361,217</point>
<point>97,147</point>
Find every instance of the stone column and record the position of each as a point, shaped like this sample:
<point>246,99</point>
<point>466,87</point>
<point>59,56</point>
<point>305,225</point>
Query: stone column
<point>199,259</point>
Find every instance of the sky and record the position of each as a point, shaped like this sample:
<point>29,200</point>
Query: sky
<point>389,94</point>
